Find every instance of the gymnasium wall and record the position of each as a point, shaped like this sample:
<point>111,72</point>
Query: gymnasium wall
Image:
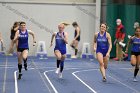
<point>43,18</point>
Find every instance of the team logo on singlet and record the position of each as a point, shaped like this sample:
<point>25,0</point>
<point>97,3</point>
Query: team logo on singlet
<point>102,40</point>
<point>22,36</point>
<point>135,42</point>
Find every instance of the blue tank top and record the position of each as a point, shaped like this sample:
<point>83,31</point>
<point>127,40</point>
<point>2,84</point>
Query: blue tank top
<point>102,43</point>
<point>23,39</point>
<point>135,44</point>
<point>59,42</point>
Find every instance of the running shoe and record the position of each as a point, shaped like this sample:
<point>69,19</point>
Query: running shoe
<point>125,55</point>
<point>19,76</point>
<point>116,59</point>
<point>104,79</point>
<point>134,79</point>
<point>25,66</point>
<point>57,70</point>
<point>73,56</point>
<point>10,54</point>
<point>60,75</point>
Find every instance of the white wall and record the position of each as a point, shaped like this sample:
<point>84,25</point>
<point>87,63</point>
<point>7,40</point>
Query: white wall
<point>49,16</point>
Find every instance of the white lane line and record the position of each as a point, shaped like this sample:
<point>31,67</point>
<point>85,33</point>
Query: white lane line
<point>55,90</point>
<point>16,85</point>
<point>5,76</point>
<point>50,81</point>
<point>124,68</point>
<point>74,74</point>
<point>37,69</point>
<point>124,84</point>
<point>7,65</point>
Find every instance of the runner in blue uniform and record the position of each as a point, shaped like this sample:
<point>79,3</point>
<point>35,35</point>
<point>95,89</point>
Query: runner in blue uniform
<point>61,39</point>
<point>23,47</point>
<point>102,46</point>
<point>135,51</point>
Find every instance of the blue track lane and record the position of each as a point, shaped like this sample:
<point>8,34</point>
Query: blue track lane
<point>119,77</point>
